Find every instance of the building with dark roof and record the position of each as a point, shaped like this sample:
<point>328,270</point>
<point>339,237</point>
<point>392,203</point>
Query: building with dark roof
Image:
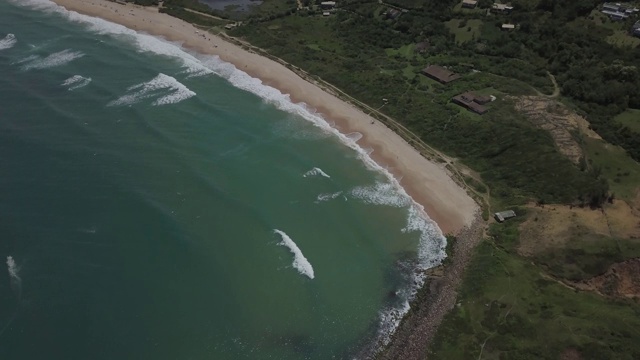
<point>440,74</point>
<point>472,102</point>
<point>635,29</point>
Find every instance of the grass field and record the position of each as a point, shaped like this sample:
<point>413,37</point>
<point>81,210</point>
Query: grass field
<point>464,30</point>
<point>622,38</point>
<point>622,172</point>
<point>630,118</point>
<point>509,309</point>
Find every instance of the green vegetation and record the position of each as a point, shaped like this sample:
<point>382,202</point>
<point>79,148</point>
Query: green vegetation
<point>194,18</point>
<point>507,309</point>
<point>622,172</point>
<point>630,119</point>
<point>464,30</point>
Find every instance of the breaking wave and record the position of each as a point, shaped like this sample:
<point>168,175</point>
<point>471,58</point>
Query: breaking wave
<point>8,41</point>
<point>144,42</point>
<point>56,59</point>
<point>299,261</point>
<point>315,172</point>
<point>381,194</point>
<point>158,88</point>
<point>76,82</point>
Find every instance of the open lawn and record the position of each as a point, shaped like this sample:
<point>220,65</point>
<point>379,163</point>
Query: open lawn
<point>464,30</point>
<point>622,38</point>
<point>630,118</point>
<point>508,308</point>
<point>622,172</point>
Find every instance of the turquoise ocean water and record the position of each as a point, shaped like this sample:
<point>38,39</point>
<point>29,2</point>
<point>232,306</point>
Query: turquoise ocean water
<point>156,204</point>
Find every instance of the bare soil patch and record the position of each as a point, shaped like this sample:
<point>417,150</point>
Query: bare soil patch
<point>563,124</point>
<point>620,281</point>
<point>552,226</point>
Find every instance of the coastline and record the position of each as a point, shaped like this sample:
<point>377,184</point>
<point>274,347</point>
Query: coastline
<point>428,183</point>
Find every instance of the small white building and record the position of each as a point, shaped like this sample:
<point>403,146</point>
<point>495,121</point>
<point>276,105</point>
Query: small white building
<point>504,215</point>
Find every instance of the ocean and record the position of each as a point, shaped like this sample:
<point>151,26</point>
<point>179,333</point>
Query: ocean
<point>161,204</point>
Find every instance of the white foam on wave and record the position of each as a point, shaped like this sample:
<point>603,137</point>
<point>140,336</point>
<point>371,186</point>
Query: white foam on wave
<point>156,87</point>
<point>315,172</point>
<point>13,269</point>
<point>8,42</point>
<point>56,59</point>
<point>144,42</point>
<point>381,194</point>
<point>299,261</point>
<point>327,197</point>
<point>24,60</point>
<point>76,82</point>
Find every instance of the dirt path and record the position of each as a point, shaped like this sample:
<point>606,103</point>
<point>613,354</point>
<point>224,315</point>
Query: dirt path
<point>556,89</point>
<point>205,15</point>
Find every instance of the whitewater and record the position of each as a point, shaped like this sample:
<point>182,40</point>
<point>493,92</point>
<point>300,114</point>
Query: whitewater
<point>299,261</point>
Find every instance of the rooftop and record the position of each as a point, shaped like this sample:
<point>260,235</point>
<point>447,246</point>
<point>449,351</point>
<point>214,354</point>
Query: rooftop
<point>440,74</point>
<point>504,215</point>
<point>472,102</point>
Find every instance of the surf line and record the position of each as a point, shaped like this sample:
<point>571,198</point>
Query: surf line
<point>299,261</point>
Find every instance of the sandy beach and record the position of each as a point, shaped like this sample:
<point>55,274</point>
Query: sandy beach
<point>426,182</point>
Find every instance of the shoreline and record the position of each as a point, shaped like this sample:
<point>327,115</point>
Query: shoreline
<point>427,183</point>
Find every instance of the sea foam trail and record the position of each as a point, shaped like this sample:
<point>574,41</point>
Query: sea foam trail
<point>56,59</point>
<point>13,269</point>
<point>8,41</point>
<point>299,261</point>
<point>315,172</point>
<point>16,282</point>
<point>327,197</point>
<point>76,82</point>
<point>156,87</point>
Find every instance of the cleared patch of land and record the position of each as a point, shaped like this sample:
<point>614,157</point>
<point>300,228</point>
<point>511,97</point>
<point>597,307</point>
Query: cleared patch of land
<point>630,119</point>
<point>464,30</point>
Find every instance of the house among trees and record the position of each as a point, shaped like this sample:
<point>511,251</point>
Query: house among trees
<point>393,13</point>
<point>469,4</point>
<point>472,102</point>
<point>504,215</point>
<point>617,11</point>
<point>501,8</point>
<point>327,5</point>
<point>440,74</point>
<point>508,27</point>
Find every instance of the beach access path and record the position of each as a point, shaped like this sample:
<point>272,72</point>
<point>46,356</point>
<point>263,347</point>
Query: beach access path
<point>428,183</point>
